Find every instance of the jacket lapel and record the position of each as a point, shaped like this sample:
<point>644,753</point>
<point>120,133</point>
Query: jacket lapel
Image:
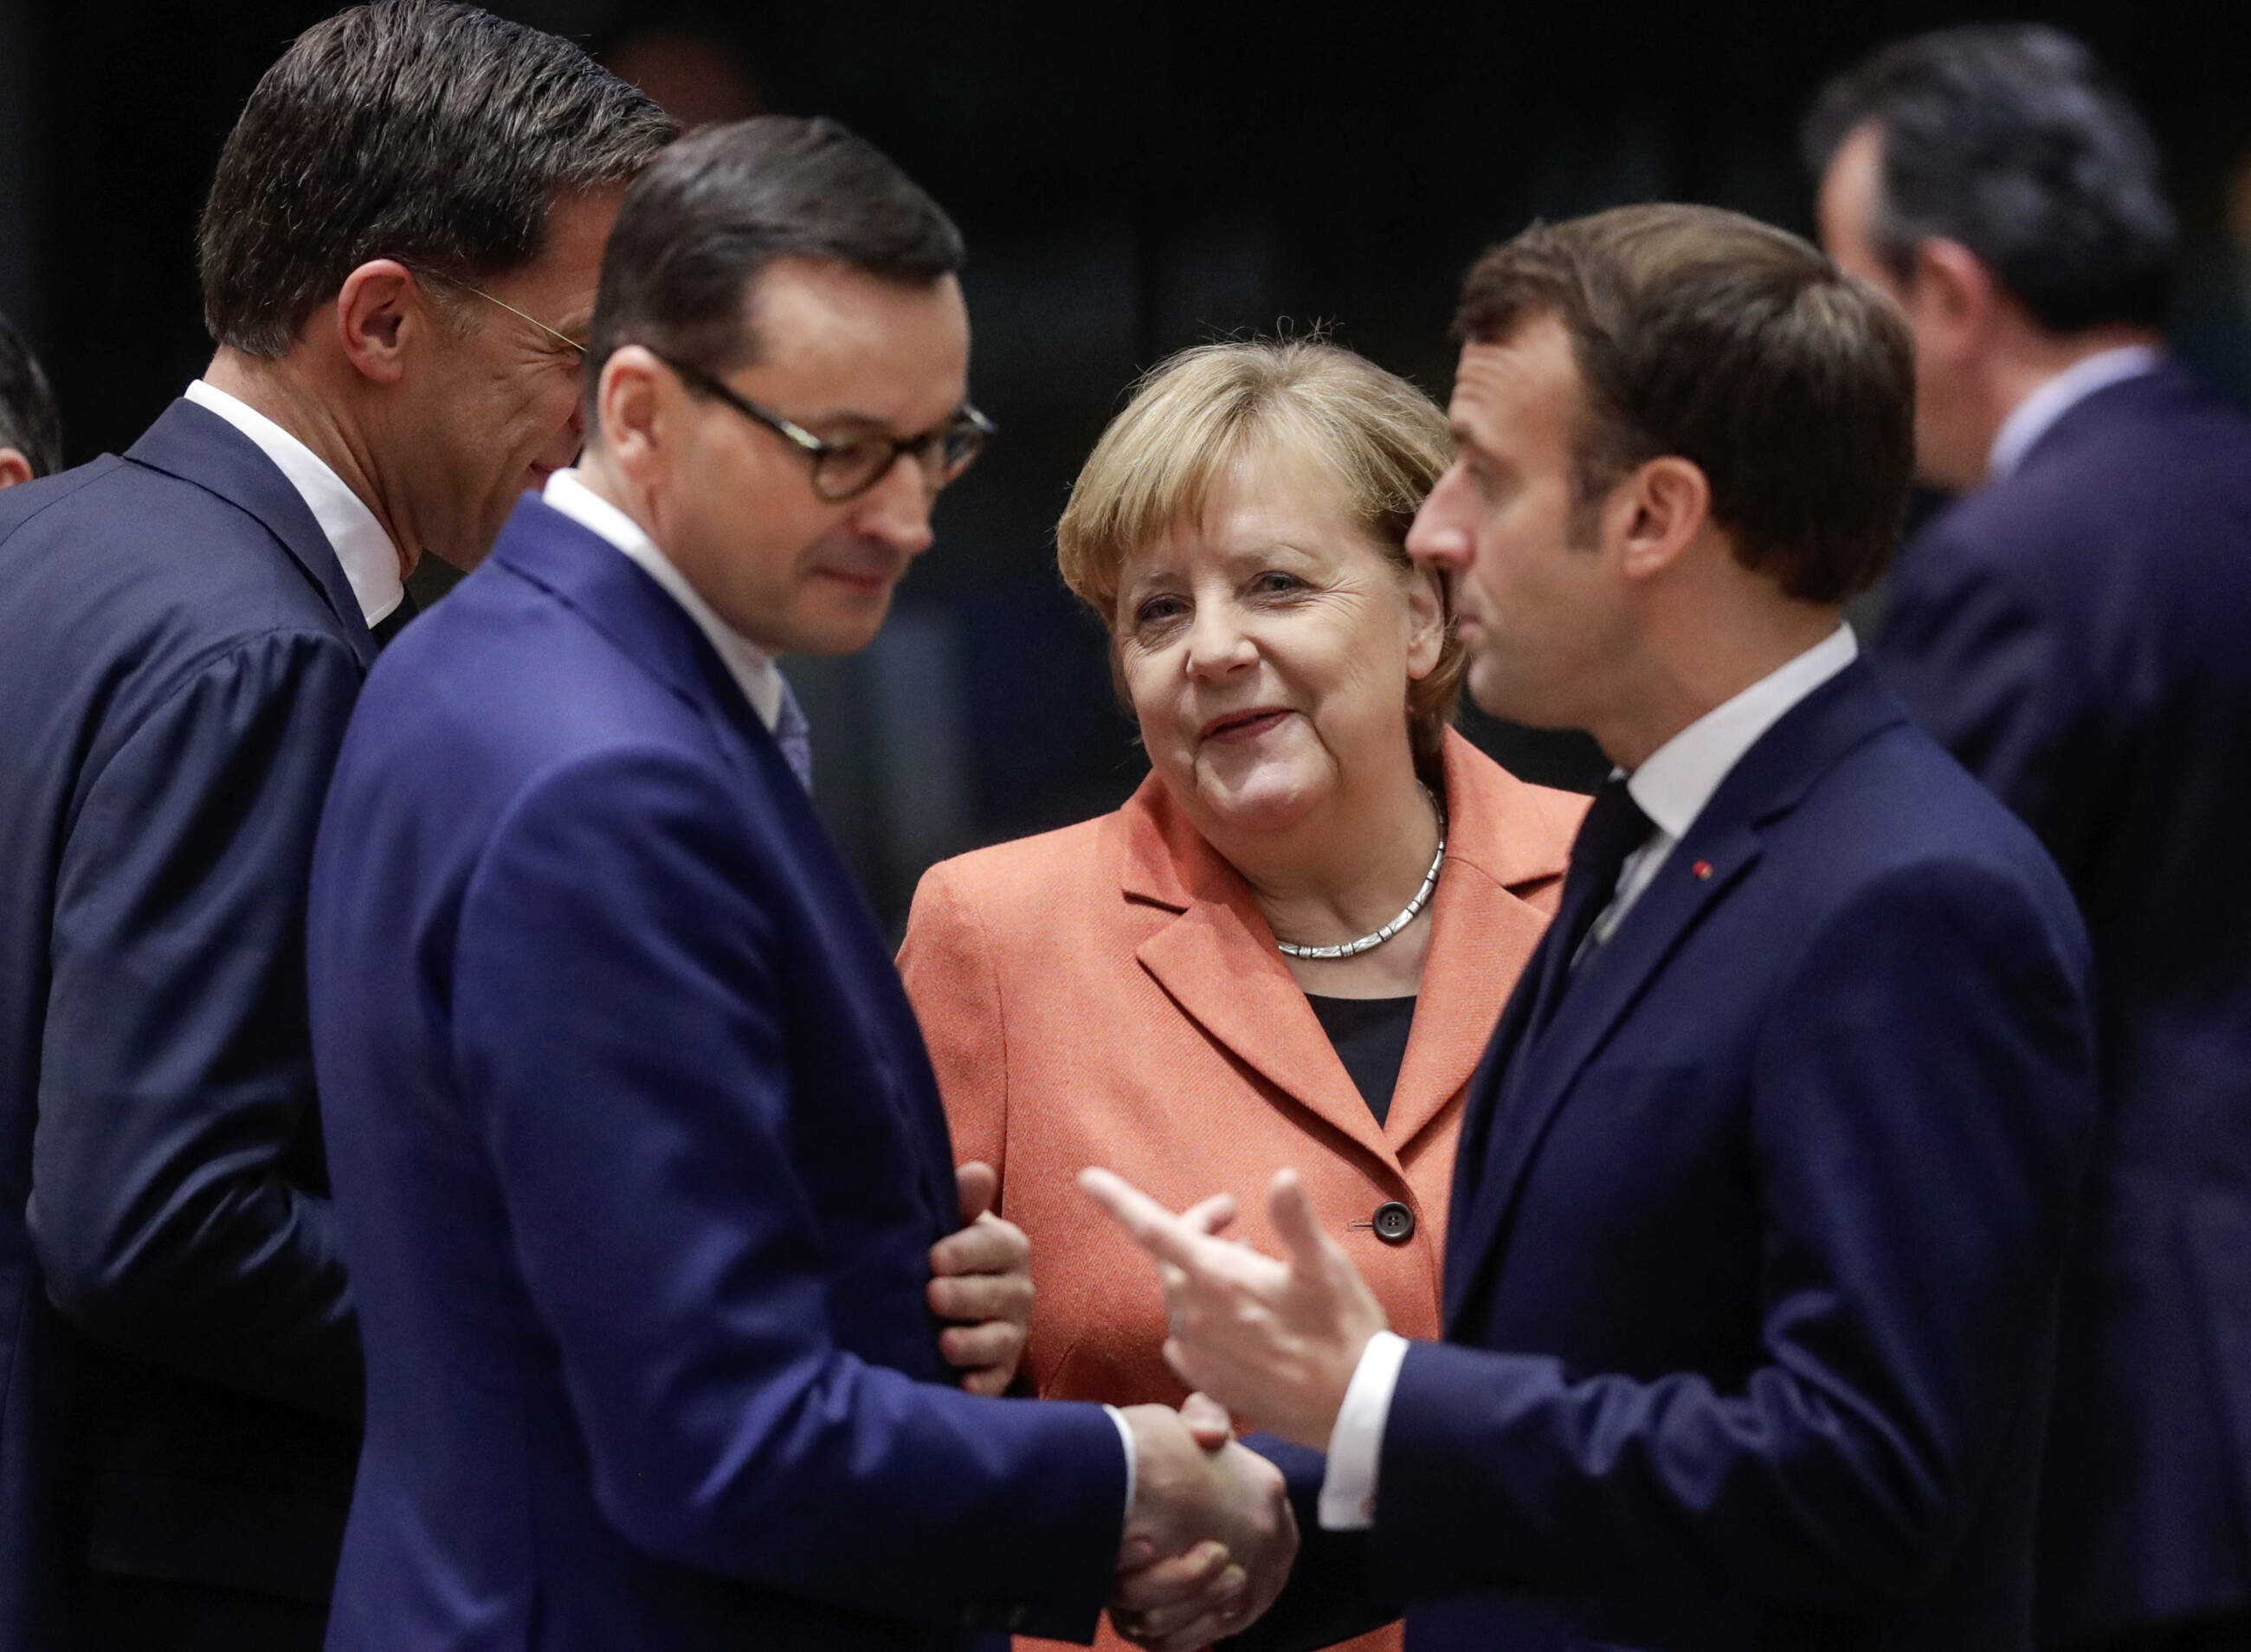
<point>1527,1083</point>
<point>196,445</point>
<point>602,585</point>
<point>1217,960</point>
<point>1503,842</point>
<point>1497,1074</point>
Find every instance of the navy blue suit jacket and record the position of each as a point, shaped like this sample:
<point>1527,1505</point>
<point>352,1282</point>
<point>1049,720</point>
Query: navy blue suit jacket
<point>2079,635</point>
<point>1751,1269</point>
<point>179,655</point>
<point>639,1158</point>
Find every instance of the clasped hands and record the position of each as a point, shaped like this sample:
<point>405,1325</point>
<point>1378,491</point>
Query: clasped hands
<point>1210,1537</point>
<point>1209,1541</point>
<point>1274,1340</point>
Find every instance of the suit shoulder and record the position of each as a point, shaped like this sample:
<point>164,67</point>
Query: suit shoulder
<point>1026,883</point>
<point>1901,805</point>
<point>21,506</point>
<point>497,691</point>
<point>2169,478</point>
<point>116,548</point>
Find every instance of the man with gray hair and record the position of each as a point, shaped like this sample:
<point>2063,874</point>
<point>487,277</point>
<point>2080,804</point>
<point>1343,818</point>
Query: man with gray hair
<point>2072,629</point>
<point>398,254</point>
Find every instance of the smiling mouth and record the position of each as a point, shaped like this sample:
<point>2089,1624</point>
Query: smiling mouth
<point>1243,726</point>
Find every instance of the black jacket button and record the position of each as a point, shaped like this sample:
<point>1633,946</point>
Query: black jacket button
<point>1395,1223</point>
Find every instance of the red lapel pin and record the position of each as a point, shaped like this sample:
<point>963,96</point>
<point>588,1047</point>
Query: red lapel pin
<point>1703,869</point>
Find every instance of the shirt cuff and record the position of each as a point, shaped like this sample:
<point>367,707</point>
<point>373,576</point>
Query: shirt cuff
<point>1356,1443</point>
<point>1125,1438</point>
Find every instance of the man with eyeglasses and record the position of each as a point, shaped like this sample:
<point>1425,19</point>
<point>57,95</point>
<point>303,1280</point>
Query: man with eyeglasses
<point>637,1150</point>
<point>187,625</point>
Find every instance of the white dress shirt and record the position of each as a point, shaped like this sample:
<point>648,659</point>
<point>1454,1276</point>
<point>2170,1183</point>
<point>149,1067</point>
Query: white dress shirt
<point>753,668</point>
<point>1671,787</point>
<point>364,551</point>
<point>2036,414</point>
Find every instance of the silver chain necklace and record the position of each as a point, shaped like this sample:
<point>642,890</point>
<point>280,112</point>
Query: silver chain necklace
<point>1354,948</point>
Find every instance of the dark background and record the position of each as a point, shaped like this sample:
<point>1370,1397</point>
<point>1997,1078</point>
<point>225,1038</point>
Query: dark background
<point>1131,179</point>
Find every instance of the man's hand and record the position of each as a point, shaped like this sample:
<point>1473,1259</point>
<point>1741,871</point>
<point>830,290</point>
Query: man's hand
<point>981,1279</point>
<point>1277,1342</point>
<point>1210,1538</point>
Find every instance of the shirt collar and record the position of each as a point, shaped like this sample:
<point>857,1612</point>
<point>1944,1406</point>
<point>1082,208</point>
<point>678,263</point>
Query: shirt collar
<point>751,666</point>
<point>363,549</point>
<point>2036,414</point>
<point>1678,778</point>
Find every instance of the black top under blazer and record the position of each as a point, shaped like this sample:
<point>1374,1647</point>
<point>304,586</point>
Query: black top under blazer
<point>179,1370</point>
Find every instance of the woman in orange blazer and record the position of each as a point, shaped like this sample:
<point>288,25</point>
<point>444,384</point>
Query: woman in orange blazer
<point>1291,945</point>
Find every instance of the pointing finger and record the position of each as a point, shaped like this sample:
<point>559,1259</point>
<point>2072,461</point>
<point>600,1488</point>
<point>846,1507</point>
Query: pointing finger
<point>1155,1229</point>
<point>1213,1216</point>
<point>1291,1209</point>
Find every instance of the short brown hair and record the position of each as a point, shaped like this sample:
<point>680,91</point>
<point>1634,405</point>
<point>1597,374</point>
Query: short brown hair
<point>700,226</point>
<point>1192,416</point>
<point>430,132</point>
<point>1739,347</point>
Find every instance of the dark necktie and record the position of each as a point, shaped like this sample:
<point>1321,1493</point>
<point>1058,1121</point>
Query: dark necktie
<point>1613,829</point>
<point>386,629</point>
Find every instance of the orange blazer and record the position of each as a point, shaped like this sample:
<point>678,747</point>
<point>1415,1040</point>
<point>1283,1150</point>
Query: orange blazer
<point>1110,994</point>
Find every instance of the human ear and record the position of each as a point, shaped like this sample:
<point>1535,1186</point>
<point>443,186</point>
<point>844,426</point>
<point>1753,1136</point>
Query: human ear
<point>379,308</point>
<point>1426,621</point>
<point>1661,509</point>
<point>1951,297</point>
<point>630,406</point>
<point>14,468</point>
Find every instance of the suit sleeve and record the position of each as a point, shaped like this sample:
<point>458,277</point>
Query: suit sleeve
<point>177,1129</point>
<point>950,979</point>
<point>617,1022</point>
<point>1328,1599</point>
<point>1992,673</point>
<point>1922,1113</point>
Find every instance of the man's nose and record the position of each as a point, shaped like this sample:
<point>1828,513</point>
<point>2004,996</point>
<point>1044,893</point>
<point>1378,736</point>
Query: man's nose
<point>1438,538</point>
<point>896,510</point>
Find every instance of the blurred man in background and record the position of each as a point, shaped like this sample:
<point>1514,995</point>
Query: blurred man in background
<point>398,258</point>
<point>30,434</point>
<point>2074,628</point>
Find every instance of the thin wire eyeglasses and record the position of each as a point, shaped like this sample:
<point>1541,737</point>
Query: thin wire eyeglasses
<point>844,471</point>
<point>559,337</point>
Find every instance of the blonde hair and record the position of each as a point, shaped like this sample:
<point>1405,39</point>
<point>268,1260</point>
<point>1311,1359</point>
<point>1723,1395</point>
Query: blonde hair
<point>1191,417</point>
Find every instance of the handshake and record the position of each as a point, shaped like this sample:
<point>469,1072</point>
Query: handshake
<point>1210,1538</point>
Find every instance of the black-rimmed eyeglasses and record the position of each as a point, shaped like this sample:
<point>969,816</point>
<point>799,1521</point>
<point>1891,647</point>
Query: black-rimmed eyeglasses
<point>845,469</point>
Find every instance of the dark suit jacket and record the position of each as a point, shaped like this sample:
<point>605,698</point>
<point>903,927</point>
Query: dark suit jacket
<point>639,1158</point>
<point>2079,635</point>
<point>179,655</point>
<point>1751,1285</point>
